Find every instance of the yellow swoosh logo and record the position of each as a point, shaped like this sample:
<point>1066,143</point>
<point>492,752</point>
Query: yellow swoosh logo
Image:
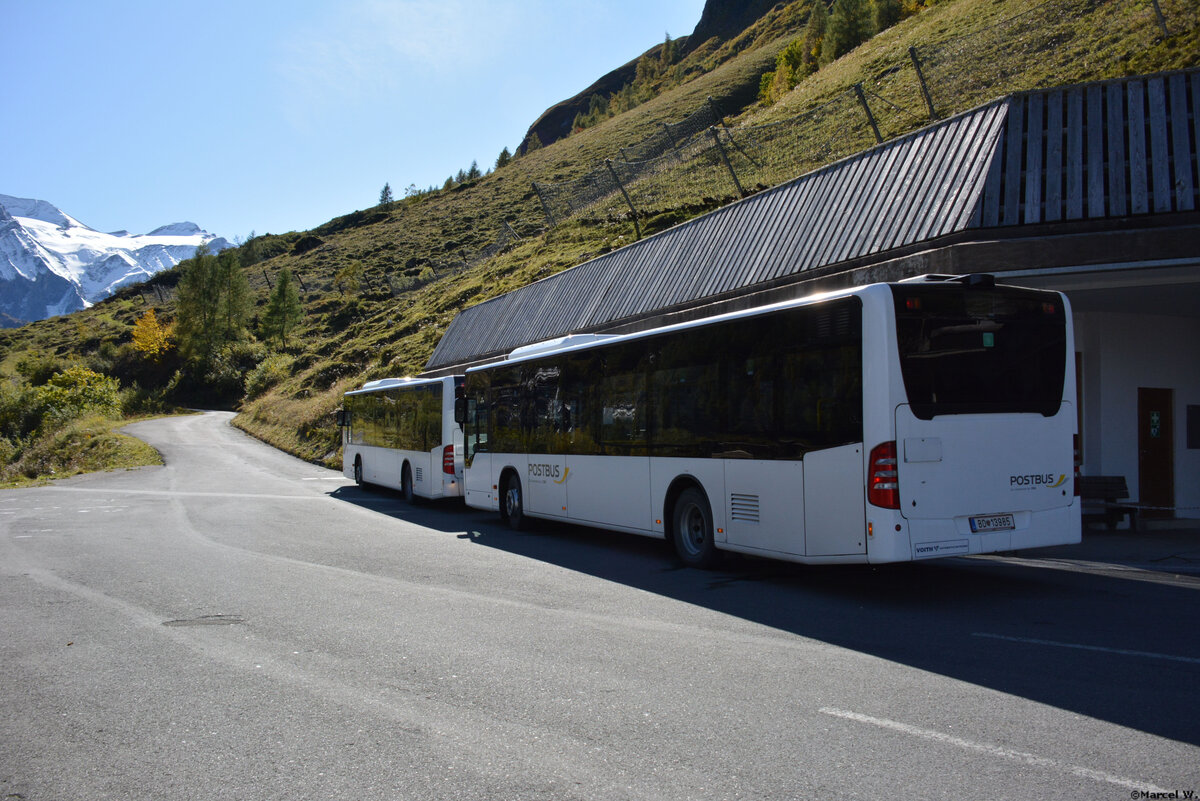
<point>567,471</point>
<point>1061,479</point>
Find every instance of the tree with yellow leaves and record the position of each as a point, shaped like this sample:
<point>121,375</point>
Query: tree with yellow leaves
<point>150,337</point>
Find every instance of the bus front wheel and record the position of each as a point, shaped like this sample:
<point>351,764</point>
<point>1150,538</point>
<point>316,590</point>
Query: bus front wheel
<point>693,529</point>
<point>512,505</point>
<point>358,471</point>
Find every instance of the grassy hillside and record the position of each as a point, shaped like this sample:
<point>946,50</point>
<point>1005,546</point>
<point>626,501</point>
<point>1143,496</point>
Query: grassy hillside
<point>381,285</point>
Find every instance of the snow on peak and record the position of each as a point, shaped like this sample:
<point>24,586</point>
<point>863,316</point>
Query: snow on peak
<point>177,229</point>
<point>38,210</point>
<point>50,263</point>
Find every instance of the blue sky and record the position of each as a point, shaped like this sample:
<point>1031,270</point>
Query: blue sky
<point>275,116</point>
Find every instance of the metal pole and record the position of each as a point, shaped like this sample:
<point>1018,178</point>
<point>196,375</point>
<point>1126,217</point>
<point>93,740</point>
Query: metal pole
<point>632,210</point>
<point>725,158</point>
<point>1162,21</point>
<point>545,205</point>
<point>858,90</point>
<point>268,279</point>
<point>912,53</point>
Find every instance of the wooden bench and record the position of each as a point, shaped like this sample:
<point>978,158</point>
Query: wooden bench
<point>1102,498</point>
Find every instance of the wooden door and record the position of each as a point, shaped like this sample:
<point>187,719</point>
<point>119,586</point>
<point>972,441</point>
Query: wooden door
<point>1156,450</point>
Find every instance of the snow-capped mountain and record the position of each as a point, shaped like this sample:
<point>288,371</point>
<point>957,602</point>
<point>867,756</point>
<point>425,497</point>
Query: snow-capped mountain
<point>50,263</point>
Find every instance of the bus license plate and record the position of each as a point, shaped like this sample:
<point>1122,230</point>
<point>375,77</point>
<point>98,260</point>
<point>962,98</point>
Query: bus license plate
<point>992,523</point>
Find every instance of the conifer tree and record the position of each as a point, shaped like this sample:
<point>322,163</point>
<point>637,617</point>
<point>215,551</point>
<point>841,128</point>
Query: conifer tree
<point>504,159</point>
<point>385,196</point>
<point>885,14</point>
<point>212,304</point>
<point>473,173</point>
<point>849,26</point>
<point>814,36</point>
<point>283,309</point>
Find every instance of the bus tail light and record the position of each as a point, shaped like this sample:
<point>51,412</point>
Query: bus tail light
<point>883,478</point>
<point>448,460</point>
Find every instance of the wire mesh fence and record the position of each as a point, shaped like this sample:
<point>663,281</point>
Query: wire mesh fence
<point>702,162</point>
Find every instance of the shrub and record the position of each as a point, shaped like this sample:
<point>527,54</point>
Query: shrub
<point>269,372</point>
<point>74,391</point>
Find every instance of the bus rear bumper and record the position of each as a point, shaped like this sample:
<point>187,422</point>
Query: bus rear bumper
<point>931,539</point>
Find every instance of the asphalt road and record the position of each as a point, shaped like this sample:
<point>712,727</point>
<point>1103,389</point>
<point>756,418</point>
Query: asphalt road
<point>240,624</point>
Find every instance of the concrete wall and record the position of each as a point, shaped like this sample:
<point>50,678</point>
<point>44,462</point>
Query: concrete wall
<point>1121,352</point>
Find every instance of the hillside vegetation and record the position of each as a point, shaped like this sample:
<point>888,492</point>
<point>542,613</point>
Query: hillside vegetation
<point>377,287</point>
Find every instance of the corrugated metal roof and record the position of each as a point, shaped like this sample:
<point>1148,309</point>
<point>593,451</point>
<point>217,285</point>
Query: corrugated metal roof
<point>1101,150</point>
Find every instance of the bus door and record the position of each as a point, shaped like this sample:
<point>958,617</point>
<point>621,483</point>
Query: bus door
<point>477,459</point>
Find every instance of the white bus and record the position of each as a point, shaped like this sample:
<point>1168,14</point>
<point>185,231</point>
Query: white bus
<point>885,423</point>
<point>400,433</point>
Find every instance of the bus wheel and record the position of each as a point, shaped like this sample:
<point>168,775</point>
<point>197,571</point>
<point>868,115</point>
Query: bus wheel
<point>358,474</point>
<point>513,506</point>
<point>693,529</point>
<point>406,485</point>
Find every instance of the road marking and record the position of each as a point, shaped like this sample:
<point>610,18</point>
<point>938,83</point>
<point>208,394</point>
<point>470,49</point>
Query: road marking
<point>996,751</point>
<point>1122,651</point>
<point>184,494</point>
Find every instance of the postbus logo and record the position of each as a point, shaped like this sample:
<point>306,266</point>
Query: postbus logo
<point>1035,480</point>
<point>554,472</point>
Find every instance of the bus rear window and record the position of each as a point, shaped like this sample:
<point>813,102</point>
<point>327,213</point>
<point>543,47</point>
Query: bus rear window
<point>978,350</point>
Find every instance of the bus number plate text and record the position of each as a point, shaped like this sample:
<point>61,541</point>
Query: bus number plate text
<point>992,523</point>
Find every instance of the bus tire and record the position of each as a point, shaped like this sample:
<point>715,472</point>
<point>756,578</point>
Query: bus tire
<point>512,505</point>
<point>358,471</point>
<point>693,529</point>
<point>406,485</point>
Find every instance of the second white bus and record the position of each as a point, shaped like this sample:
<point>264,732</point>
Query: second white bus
<point>891,422</point>
<point>400,433</point>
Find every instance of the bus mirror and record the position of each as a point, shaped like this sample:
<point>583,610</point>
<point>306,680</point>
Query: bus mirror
<point>460,410</point>
<point>343,419</point>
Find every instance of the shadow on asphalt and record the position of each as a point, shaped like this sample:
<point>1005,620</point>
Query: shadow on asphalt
<point>1059,637</point>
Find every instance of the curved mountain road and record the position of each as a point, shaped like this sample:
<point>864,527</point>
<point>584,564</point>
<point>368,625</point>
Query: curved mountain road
<point>241,624</point>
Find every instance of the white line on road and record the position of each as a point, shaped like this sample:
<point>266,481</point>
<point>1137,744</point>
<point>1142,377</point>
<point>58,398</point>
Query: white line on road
<point>180,494</point>
<point>995,750</point>
<point>1122,651</point>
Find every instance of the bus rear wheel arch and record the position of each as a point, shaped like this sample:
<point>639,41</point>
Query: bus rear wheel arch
<point>691,526</point>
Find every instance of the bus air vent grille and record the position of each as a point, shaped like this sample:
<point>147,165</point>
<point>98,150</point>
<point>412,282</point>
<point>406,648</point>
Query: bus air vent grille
<point>743,507</point>
<point>420,475</point>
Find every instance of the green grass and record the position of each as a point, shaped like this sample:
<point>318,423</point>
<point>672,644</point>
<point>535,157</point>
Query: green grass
<point>87,445</point>
<point>972,51</point>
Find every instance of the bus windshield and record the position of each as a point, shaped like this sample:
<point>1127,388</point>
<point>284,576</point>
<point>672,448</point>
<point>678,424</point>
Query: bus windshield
<point>976,350</point>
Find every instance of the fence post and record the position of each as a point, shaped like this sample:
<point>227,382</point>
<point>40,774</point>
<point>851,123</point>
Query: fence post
<point>725,158</point>
<point>858,90</point>
<point>545,205</point>
<point>912,53</point>
<point>1162,21</point>
<point>268,278</point>
<point>612,171</point>
<point>302,286</point>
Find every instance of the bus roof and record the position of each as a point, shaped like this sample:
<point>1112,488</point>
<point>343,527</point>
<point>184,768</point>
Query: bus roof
<point>577,342</point>
<point>390,383</point>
